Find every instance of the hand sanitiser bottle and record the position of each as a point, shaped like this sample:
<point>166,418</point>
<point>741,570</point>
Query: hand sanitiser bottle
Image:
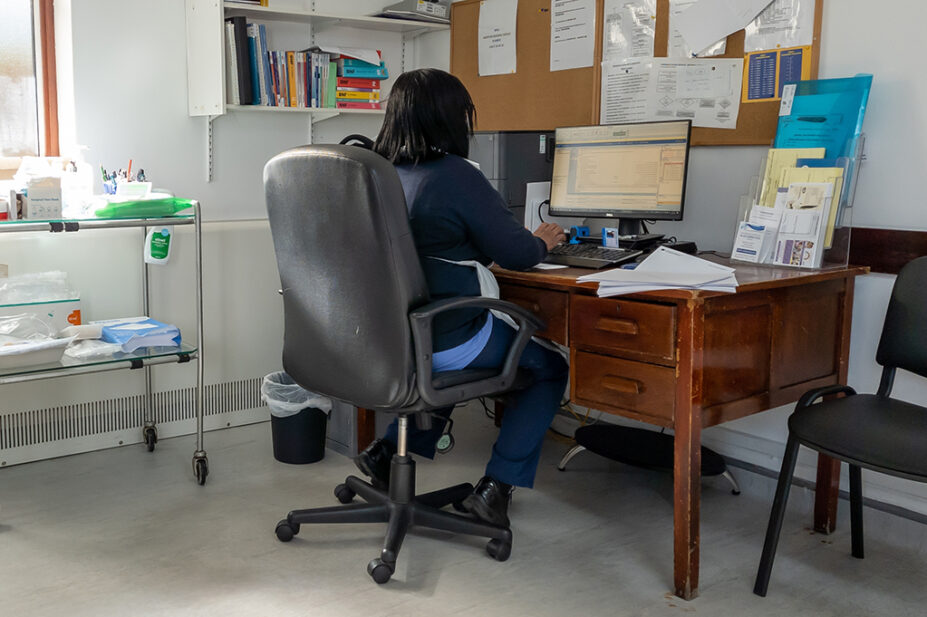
<point>158,245</point>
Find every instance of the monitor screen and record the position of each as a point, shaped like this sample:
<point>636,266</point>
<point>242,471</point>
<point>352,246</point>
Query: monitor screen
<point>632,171</point>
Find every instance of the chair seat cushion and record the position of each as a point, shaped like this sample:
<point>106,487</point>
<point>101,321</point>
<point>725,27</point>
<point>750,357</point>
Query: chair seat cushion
<point>446,379</point>
<point>872,431</point>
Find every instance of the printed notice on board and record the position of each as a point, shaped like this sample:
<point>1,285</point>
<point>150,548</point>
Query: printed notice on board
<point>644,89</point>
<point>628,28</point>
<point>706,91</point>
<point>784,23</point>
<point>625,84</point>
<point>572,34</point>
<point>496,33</point>
<point>766,73</point>
<point>677,46</point>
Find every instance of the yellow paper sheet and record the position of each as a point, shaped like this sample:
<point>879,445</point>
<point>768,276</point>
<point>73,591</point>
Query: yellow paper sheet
<point>777,160</point>
<point>832,175</point>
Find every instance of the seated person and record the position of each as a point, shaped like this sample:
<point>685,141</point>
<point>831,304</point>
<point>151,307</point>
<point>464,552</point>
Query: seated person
<point>456,216</point>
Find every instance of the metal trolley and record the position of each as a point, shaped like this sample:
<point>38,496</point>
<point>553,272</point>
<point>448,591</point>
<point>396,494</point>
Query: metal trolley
<point>143,358</point>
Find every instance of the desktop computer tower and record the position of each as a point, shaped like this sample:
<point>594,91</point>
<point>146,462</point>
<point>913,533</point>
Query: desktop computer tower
<point>511,159</point>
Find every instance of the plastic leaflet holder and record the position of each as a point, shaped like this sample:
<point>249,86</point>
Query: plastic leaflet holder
<point>135,332</point>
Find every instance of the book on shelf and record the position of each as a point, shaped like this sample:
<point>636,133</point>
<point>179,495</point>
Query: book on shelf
<point>240,64</point>
<point>357,95</point>
<point>357,105</point>
<point>365,72</point>
<point>257,75</point>
<point>357,82</point>
<point>257,68</point>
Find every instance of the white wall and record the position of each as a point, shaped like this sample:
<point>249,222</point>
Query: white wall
<point>129,102</point>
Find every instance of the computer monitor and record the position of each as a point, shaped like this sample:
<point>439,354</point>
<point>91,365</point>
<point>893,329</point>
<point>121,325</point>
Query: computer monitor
<point>631,172</point>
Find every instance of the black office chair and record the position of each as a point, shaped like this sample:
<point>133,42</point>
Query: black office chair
<point>358,324</point>
<point>865,430</point>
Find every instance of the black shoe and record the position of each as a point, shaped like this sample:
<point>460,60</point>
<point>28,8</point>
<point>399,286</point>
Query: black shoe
<point>489,501</point>
<point>374,461</point>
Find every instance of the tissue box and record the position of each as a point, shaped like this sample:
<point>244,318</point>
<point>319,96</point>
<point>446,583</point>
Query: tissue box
<point>59,314</point>
<point>43,199</point>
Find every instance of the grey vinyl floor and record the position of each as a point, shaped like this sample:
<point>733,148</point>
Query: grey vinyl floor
<point>125,533</point>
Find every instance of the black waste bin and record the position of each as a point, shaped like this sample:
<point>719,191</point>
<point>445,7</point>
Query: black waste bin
<point>299,438</point>
<point>297,422</point>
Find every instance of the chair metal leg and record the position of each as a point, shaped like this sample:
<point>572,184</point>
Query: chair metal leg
<point>445,496</point>
<point>735,488</point>
<point>776,516</point>
<point>447,521</point>
<point>365,490</point>
<point>856,510</point>
<point>568,456</point>
<point>400,520</point>
<point>351,513</point>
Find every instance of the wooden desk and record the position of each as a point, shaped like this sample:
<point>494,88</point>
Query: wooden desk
<point>687,360</point>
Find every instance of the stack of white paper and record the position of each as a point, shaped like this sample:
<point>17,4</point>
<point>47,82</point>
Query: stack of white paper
<point>665,269</point>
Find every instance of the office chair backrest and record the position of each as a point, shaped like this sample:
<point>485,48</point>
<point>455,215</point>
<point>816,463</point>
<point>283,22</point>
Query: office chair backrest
<point>350,273</point>
<point>904,336</point>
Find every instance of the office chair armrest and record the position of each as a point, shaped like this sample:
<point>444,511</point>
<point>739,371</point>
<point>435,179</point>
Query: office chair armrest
<point>808,398</point>
<point>421,321</point>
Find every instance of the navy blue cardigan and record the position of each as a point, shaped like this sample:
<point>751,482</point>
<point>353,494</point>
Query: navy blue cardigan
<point>456,214</point>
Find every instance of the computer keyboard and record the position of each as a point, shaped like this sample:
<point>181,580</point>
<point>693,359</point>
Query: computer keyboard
<point>588,255</point>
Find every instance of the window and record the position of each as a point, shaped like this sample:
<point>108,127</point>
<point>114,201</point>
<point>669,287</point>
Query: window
<point>28,99</point>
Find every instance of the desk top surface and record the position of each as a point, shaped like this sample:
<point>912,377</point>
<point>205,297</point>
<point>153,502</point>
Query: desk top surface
<point>750,277</point>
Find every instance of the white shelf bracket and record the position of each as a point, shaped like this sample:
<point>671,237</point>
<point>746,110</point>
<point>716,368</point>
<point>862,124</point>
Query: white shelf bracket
<point>209,121</point>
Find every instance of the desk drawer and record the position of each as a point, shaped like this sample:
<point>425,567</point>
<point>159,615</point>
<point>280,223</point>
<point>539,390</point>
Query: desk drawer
<point>551,306</point>
<point>613,384</point>
<point>636,330</point>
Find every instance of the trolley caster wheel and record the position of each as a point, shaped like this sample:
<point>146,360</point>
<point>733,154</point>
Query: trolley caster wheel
<point>344,494</point>
<point>150,437</point>
<point>200,470</point>
<point>499,550</point>
<point>286,530</point>
<point>379,570</point>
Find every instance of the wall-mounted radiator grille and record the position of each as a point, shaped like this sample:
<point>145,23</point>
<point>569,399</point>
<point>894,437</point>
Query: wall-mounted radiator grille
<point>40,426</point>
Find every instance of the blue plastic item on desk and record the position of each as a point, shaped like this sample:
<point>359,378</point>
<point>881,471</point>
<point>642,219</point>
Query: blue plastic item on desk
<point>577,232</point>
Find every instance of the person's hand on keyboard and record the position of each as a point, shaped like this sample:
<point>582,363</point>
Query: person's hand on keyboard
<point>551,233</point>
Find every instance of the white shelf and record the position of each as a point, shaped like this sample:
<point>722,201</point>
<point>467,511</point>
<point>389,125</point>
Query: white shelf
<point>316,111</point>
<point>405,26</point>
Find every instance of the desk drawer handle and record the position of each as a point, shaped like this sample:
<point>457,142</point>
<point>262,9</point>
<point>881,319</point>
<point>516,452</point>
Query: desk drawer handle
<point>617,326</point>
<point>622,384</point>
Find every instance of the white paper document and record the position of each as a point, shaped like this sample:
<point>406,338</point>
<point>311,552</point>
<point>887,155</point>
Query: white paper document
<point>496,31</point>
<point>802,231</point>
<point>784,23</point>
<point>665,269</point>
<point>572,34</point>
<point>677,46</point>
<point>625,91</point>
<point>361,53</point>
<point>705,91</point>
<point>628,28</point>
<point>708,21</point>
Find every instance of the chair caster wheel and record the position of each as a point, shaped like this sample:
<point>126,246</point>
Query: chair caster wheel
<point>286,530</point>
<point>499,550</point>
<point>379,570</point>
<point>344,494</point>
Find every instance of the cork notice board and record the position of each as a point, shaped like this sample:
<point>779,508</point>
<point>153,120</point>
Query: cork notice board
<point>535,99</point>
<point>532,98</point>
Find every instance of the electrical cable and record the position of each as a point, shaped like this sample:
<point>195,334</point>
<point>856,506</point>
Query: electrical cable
<point>541,205</point>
